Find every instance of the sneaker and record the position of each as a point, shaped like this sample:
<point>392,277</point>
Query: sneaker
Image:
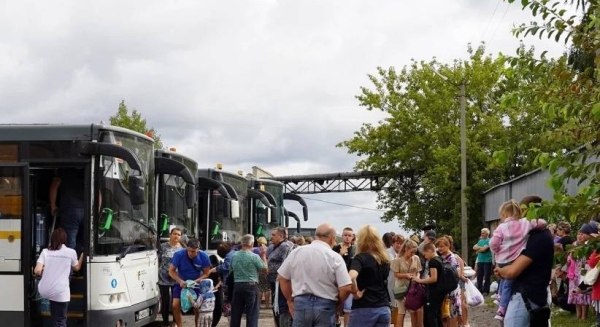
<point>499,316</point>
<point>496,302</point>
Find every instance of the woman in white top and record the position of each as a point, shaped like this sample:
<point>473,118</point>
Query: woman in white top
<point>54,266</point>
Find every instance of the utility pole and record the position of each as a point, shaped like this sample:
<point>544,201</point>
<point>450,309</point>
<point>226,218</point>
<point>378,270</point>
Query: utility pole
<point>464,239</point>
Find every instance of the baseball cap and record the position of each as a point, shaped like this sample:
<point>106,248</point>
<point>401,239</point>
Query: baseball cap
<point>430,234</point>
<point>193,243</point>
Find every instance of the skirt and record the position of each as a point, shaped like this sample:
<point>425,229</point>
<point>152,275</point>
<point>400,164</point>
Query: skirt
<point>263,283</point>
<point>578,298</point>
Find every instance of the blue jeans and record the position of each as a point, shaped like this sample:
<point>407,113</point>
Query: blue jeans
<point>516,312</point>
<point>71,221</point>
<point>245,300</point>
<point>58,312</point>
<point>505,288</point>
<point>370,317</point>
<point>313,311</point>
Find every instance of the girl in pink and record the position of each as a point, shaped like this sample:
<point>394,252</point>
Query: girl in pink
<point>509,239</point>
<point>581,300</point>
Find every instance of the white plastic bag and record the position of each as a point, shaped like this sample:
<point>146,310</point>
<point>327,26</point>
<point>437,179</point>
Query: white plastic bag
<point>472,294</point>
<point>494,287</point>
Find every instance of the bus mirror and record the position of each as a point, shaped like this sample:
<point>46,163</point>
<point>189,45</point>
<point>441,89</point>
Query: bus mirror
<point>136,190</point>
<point>235,209</point>
<point>298,227</point>
<point>190,195</point>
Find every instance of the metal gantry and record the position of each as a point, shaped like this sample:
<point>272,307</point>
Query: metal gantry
<point>334,182</point>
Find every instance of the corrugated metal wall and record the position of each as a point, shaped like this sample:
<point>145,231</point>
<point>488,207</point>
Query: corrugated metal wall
<point>534,182</point>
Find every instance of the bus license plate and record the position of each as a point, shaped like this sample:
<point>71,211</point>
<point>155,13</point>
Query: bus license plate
<point>143,314</point>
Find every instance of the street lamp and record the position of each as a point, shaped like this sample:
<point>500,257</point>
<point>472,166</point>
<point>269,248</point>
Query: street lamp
<point>463,164</point>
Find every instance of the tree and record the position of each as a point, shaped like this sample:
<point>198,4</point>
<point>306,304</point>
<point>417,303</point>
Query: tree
<point>575,96</point>
<point>418,144</point>
<point>134,122</point>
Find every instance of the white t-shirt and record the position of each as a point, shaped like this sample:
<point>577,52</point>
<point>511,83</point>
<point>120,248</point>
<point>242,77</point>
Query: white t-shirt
<point>54,284</point>
<point>315,269</point>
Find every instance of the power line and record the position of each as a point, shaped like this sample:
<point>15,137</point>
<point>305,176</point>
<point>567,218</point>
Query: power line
<point>344,205</point>
<point>498,26</point>
<point>490,20</point>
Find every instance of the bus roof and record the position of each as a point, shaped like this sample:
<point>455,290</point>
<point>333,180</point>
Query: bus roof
<point>59,132</point>
<point>266,181</point>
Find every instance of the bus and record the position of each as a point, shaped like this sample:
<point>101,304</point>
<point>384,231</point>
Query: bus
<point>118,286</point>
<point>263,218</point>
<point>176,180</point>
<point>222,198</point>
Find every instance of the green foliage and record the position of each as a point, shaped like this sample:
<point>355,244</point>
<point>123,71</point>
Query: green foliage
<point>418,143</point>
<point>134,122</point>
<point>574,96</point>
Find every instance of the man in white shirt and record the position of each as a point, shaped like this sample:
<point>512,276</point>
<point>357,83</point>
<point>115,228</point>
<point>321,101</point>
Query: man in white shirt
<point>314,279</point>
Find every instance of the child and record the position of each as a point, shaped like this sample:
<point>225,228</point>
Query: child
<point>205,303</point>
<point>578,297</point>
<point>508,241</point>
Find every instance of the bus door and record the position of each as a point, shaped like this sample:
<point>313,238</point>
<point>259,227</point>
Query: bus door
<point>15,224</point>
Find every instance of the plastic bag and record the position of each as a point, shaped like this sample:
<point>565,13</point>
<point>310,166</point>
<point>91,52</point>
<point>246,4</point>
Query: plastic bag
<point>494,287</point>
<point>472,294</point>
<point>186,303</point>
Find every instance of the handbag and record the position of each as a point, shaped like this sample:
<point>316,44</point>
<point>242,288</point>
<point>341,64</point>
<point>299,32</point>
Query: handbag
<point>446,308</point>
<point>591,276</point>
<point>400,292</point>
<point>415,297</point>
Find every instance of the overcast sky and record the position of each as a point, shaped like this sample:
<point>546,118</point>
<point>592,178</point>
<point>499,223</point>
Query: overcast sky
<point>242,83</point>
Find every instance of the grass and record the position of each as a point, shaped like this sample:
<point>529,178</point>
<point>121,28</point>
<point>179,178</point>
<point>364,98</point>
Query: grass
<point>564,318</point>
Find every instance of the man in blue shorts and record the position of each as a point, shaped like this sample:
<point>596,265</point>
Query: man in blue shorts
<point>191,264</point>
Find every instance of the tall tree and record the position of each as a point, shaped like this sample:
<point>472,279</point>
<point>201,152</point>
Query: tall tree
<point>134,122</point>
<point>418,143</point>
<point>574,96</point>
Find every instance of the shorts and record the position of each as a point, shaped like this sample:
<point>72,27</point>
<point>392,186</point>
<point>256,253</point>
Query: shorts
<point>348,304</point>
<point>177,291</point>
<point>402,310</point>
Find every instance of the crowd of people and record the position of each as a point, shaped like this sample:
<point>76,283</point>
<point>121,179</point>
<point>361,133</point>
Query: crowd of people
<point>369,279</point>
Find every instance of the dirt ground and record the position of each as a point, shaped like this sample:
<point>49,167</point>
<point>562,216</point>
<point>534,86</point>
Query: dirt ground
<point>478,317</point>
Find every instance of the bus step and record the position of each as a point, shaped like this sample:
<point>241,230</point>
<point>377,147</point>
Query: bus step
<point>70,314</point>
<point>77,303</point>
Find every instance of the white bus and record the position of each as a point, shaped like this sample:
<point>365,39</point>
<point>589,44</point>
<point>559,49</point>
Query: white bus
<point>118,286</point>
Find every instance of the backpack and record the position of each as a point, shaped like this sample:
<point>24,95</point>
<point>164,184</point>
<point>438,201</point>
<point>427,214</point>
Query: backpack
<point>447,278</point>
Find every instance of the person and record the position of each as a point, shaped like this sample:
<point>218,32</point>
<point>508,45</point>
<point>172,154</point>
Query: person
<point>68,187</point>
<point>54,266</point>
<point>406,265</point>
<point>276,253</point>
<point>347,250</point>
<point>314,279</point>
<point>369,272</point>
<point>563,230</point>
<point>484,262</point>
<point>578,297</point>
<point>264,291</point>
<point>224,250</point>
<point>204,303</point>
<point>165,282</point>
<point>507,243</point>
<point>246,266</point>
<point>444,247</point>
<point>433,305</point>
<point>217,282</point>
<point>393,252</point>
<point>531,273</point>
<point>192,264</point>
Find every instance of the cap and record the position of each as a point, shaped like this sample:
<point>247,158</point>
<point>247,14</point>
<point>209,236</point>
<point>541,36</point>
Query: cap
<point>193,243</point>
<point>430,234</point>
<point>589,229</point>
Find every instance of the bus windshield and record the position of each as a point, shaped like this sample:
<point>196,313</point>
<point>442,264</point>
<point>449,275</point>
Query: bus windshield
<point>262,226</point>
<point>122,227</point>
<point>174,210</point>
<point>229,229</point>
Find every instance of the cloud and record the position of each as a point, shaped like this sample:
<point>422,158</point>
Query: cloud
<point>266,82</point>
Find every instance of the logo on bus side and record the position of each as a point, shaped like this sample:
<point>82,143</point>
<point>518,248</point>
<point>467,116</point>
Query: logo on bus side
<point>113,283</point>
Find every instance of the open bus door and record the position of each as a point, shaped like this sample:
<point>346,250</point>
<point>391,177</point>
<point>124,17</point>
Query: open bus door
<point>15,222</point>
